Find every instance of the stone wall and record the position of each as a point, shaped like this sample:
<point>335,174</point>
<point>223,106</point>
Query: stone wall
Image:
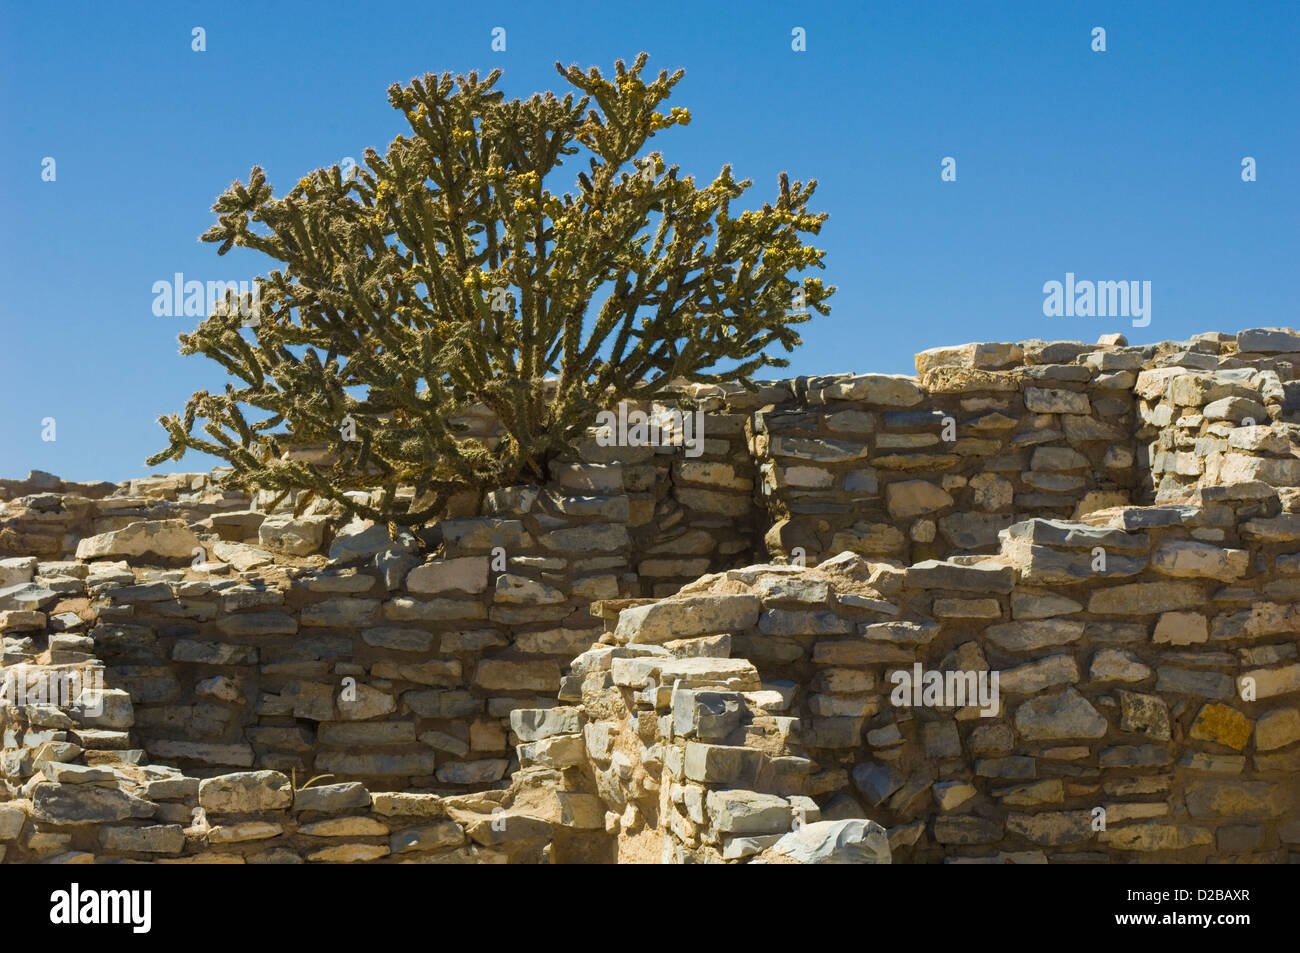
<point>1146,704</point>
<point>989,434</point>
<point>977,517</point>
<point>233,628</point>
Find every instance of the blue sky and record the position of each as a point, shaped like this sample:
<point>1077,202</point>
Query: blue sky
<point>1122,165</point>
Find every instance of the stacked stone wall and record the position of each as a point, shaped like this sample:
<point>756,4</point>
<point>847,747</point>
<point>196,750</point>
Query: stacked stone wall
<point>1111,529</point>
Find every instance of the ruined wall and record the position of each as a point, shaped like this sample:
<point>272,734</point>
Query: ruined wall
<point>988,434</point>
<point>233,640</point>
<point>232,628</point>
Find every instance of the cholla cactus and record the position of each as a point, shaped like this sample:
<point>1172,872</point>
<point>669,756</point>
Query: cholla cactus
<point>446,274</point>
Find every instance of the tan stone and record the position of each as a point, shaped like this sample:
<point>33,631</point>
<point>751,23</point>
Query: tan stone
<point>245,831</point>
<point>1273,681</point>
<point>1181,628</point>
<point>350,853</point>
<point>909,498</point>
<point>967,609</point>
<point>984,356</point>
<point>1181,557</point>
<point>1145,598</point>
<point>1277,729</point>
<point>1155,836</point>
<point>345,827</point>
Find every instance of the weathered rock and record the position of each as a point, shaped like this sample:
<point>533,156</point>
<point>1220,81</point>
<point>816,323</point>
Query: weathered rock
<point>909,498</point>
<point>155,839</point>
<point>465,574</point>
<point>331,797</point>
<point>296,536</point>
<point>169,539</point>
<point>748,812</point>
<point>1222,725</point>
<point>246,792</point>
<point>883,390</point>
<point>849,841</point>
<point>1245,799</point>
<point>1181,628</point>
<point>687,617</point>
<point>86,804</point>
<point>1145,598</point>
<point>1179,557</point>
<point>1036,634</point>
<point>1277,729</point>
<point>1059,717</point>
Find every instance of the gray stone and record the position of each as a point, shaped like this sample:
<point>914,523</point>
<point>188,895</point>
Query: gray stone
<point>848,841</point>
<point>1135,756</point>
<point>1067,715</point>
<point>1034,634</point>
<point>86,804</point>
<point>27,597</point>
<point>1144,714</point>
<point>818,450</point>
<point>1039,674</point>
<point>722,764</point>
<point>981,577</point>
<point>973,530</point>
<point>401,640</point>
<point>403,609</point>
<point>445,833</point>
<point>157,839</point>
<point>1179,681</point>
<point>1042,400</point>
<point>967,829</point>
<point>801,622</point>
<point>213,653</point>
<point>534,724</point>
<point>297,536</point>
<point>1074,535</point>
<point>1114,665</point>
<point>472,772</point>
<point>378,765</point>
<point>1268,341</point>
<point>1026,606</point>
<point>465,574</point>
<point>1236,409</point>
<point>876,781</point>
<point>362,539</point>
<point>748,812</point>
<point>257,623</point>
<point>170,539</point>
<point>236,755</point>
<point>1182,557</point>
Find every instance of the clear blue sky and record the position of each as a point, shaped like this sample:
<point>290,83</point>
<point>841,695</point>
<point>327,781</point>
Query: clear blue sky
<point>1123,165</point>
